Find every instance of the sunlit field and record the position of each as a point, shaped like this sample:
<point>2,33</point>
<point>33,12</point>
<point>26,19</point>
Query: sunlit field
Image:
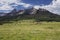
<point>30,30</point>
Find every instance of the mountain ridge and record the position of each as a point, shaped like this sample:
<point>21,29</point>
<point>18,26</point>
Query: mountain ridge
<point>39,14</point>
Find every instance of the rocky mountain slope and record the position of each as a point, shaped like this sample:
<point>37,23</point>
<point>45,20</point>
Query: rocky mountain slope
<point>39,14</point>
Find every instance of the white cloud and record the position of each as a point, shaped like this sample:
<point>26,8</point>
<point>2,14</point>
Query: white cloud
<point>52,7</point>
<point>27,5</point>
<point>8,1</point>
<point>5,4</point>
<point>6,7</point>
<point>36,6</point>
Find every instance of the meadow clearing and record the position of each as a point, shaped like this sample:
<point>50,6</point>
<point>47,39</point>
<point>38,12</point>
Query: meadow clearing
<point>29,30</point>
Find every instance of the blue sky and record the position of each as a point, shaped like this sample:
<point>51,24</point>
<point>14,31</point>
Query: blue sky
<point>37,2</point>
<point>33,2</point>
<point>9,5</point>
<point>17,3</point>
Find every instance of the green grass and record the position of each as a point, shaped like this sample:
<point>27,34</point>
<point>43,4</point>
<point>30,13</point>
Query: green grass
<point>29,30</point>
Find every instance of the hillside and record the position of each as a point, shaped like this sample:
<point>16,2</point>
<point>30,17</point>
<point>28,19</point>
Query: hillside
<point>41,14</point>
<point>31,13</point>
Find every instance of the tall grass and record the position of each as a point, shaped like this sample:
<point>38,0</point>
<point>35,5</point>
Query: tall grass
<point>30,30</point>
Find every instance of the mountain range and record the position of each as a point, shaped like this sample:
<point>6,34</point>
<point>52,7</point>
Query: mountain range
<point>39,14</point>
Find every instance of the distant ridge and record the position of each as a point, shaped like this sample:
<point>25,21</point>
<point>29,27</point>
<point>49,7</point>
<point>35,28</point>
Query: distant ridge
<point>39,14</point>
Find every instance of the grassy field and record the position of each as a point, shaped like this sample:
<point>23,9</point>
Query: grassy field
<point>29,30</point>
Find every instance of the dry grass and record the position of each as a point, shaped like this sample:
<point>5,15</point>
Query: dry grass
<point>27,30</point>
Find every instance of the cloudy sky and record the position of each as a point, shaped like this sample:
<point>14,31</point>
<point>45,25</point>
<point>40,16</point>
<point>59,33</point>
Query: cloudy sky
<point>51,5</point>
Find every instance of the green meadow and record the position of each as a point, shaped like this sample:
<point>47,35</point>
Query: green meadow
<point>30,30</point>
